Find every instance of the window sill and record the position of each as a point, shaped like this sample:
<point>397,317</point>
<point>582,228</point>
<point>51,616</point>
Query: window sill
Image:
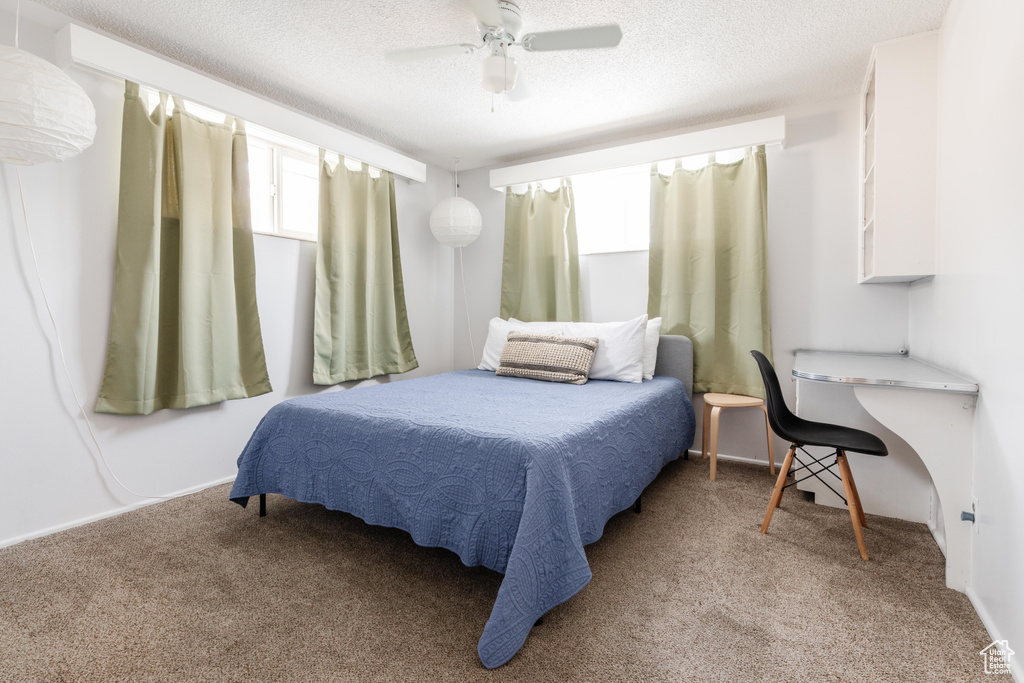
<point>286,235</point>
<point>609,253</point>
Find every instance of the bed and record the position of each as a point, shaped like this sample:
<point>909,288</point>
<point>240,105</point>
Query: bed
<point>512,474</point>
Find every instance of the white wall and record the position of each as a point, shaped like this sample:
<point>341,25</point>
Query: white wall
<point>970,316</point>
<point>48,476</point>
<point>812,258</point>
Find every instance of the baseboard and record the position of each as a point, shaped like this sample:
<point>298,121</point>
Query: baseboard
<point>1016,670</point>
<point>694,453</point>
<point>194,489</point>
<point>111,513</point>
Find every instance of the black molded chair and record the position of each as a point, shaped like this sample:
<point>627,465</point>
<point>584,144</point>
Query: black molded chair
<point>800,433</point>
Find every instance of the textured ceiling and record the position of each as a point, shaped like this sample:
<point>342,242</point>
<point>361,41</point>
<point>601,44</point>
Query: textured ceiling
<point>680,63</point>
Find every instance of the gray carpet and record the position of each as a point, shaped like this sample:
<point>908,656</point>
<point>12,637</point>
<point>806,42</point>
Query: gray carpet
<point>199,589</point>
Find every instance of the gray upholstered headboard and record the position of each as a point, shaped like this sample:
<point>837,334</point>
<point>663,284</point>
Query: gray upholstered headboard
<point>675,359</point>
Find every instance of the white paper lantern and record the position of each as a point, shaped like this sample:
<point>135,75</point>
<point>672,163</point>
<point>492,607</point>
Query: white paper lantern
<point>456,222</point>
<point>44,115</point>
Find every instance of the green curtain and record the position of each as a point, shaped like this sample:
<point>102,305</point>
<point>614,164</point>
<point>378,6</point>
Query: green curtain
<point>540,270</point>
<point>709,270</point>
<point>184,327</point>
<point>361,324</point>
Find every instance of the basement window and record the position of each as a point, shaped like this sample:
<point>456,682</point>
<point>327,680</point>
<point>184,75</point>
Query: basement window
<point>284,184</point>
<point>613,208</point>
<point>284,178</point>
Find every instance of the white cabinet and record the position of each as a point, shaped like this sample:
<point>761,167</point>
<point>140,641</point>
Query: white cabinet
<point>897,170</point>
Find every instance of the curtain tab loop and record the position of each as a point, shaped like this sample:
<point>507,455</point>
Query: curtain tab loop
<point>179,104</point>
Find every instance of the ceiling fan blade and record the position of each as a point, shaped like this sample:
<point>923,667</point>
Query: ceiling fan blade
<point>487,12</point>
<point>520,91</point>
<point>419,53</point>
<point>607,35</point>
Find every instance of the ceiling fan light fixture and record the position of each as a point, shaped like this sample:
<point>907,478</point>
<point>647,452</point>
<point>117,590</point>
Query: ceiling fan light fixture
<point>498,73</point>
<point>500,25</point>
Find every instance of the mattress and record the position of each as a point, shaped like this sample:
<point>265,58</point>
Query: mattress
<point>512,474</point>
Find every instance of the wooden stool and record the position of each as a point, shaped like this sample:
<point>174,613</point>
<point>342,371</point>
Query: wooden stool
<point>713,405</point>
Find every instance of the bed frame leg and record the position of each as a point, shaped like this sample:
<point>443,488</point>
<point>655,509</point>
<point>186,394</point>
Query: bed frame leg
<point>638,506</point>
<point>263,505</point>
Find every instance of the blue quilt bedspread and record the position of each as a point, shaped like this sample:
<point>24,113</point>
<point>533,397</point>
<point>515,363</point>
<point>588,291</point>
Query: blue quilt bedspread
<point>512,474</point>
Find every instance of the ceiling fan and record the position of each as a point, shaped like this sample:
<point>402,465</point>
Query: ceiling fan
<point>500,23</point>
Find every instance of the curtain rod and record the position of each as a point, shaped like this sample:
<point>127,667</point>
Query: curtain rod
<point>769,131</point>
<point>82,47</point>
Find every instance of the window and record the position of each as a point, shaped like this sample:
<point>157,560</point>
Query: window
<point>613,208</point>
<point>284,184</point>
<point>261,184</point>
<point>284,178</point>
<point>300,193</point>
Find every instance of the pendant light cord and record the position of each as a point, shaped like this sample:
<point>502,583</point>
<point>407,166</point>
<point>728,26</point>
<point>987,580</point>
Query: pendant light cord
<point>60,349</point>
<point>17,23</point>
<point>462,270</point>
<point>465,299</point>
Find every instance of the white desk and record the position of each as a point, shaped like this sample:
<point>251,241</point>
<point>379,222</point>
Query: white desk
<point>932,409</point>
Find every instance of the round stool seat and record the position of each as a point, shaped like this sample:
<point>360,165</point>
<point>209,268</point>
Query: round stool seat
<point>732,400</point>
<point>714,404</point>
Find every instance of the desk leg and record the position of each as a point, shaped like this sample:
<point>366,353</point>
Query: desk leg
<point>938,425</point>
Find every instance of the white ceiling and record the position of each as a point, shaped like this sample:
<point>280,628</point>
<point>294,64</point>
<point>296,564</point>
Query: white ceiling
<point>680,63</point>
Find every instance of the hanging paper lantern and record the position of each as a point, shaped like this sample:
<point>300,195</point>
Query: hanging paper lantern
<point>456,222</point>
<point>44,115</point>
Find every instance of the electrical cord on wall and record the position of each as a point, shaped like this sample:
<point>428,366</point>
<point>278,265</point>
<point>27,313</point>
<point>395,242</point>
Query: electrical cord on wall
<point>465,298</point>
<point>60,350</point>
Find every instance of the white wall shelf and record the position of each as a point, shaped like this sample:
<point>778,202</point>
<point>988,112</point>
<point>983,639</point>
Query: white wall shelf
<point>898,161</point>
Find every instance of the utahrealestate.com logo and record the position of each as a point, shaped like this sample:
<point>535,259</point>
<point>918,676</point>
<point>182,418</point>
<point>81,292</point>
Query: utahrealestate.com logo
<point>997,657</point>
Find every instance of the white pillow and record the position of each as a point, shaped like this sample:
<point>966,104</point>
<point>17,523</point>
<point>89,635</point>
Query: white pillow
<point>620,348</point>
<point>497,335</point>
<point>651,339</point>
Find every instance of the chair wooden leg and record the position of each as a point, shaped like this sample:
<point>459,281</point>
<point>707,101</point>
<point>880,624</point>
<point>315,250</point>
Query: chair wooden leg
<point>851,503</point>
<point>705,428</point>
<point>771,450</point>
<point>780,484</point>
<point>778,503</point>
<point>713,440</point>
<point>856,496</point>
